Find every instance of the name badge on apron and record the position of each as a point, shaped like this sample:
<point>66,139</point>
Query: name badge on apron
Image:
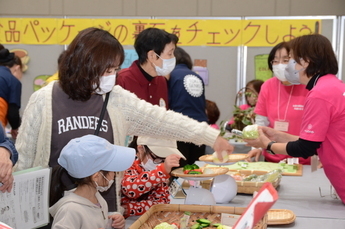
<point>281,125</point>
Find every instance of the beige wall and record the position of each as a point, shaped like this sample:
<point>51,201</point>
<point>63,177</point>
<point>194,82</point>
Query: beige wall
<point>222,87</point>
<point>181,8</point>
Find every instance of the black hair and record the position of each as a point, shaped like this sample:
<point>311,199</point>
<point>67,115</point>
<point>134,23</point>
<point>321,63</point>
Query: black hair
<point>273,53</point>
<point>152,39</point>
<point>182,57</point>
<point>7,58</point>
<point>317,50</point>
<point>212,112</point>
<point>58,183</point>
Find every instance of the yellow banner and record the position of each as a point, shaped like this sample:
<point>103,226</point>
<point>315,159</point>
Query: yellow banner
<point>191,32</point>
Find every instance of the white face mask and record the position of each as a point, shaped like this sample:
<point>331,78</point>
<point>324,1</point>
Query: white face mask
<point>106,84</point>
<point>104,188</point>
<point>291,74</point>
<point>278,71</point>
<point>168,66</point>
<point>149,165</point>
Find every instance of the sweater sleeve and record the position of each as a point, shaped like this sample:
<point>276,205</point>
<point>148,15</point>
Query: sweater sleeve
<point>143,118</point>
<point>29,130</point>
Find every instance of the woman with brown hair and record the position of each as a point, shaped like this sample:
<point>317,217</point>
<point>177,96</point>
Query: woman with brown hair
<point>280,103</point>
<point>313,63</point>
<point>85,101</point>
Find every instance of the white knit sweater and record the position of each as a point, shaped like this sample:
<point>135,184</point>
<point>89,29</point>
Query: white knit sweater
<point>129,116</point>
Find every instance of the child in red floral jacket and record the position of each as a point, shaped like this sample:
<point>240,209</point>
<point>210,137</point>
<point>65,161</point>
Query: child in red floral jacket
<point>145,183</point>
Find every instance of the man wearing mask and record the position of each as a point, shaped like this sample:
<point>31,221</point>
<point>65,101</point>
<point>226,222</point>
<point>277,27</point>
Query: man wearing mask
<point>145,77</point>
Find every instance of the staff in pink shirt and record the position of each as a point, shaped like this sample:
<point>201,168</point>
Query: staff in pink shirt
<point>313,63</point>
<point>280,103</point>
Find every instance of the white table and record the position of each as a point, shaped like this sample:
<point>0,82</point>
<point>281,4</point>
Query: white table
<point>301,195</point>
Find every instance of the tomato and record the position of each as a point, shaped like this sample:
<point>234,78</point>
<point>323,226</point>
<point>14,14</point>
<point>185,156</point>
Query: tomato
<point>197,170</point>
<point>186,171</point>
<point>176,224</point>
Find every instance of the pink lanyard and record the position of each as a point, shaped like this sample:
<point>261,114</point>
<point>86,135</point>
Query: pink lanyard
<point>287,106</point>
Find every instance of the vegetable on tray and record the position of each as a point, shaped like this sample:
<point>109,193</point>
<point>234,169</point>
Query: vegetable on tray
<point>202,223</point>
<point>192,169</point>
<point>268,177</point>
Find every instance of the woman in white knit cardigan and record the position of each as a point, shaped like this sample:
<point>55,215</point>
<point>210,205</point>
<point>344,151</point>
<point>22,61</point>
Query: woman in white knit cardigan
<point>87,68</point>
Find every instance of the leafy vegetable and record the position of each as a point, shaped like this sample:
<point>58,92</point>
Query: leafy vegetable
<point>187,167</point>
<point>165,226</point>
<point>250,132</point>
<point>195,166</point>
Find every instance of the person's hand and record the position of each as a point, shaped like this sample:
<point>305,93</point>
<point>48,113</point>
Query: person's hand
<point>221,145</point>
<point>118,221</point>
<point>254,153</point>
<point>14,133</point>
<point>6,165</point>
<point>278,136</point>
<point>173,160</point>
<point>271,133</point>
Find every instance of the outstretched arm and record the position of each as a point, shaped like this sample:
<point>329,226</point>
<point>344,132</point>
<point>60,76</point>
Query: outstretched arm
<point>8,157</point>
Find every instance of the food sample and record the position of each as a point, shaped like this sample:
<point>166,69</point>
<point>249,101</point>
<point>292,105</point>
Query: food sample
<point>165,226</point>
<point>250,132</point>
<point>268,177</point>
<point>225,156</point>
<point>192,169</point>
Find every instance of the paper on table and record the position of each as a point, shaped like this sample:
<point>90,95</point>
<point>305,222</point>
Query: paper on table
<point>4,226</point>
<point>26,206</point>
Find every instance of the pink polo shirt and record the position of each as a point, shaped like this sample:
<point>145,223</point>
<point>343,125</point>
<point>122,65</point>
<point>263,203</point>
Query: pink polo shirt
<point>324,121</point>
<point>279,102</point>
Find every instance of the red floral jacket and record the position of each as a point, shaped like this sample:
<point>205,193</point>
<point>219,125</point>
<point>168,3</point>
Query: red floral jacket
<point>141,189</point>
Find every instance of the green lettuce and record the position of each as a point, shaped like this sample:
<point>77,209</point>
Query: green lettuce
<point>250,132</point>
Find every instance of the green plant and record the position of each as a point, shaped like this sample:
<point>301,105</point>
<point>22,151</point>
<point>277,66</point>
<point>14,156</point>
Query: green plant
<point>242,117</point>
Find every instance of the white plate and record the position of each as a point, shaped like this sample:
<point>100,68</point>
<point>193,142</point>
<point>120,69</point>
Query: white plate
<point>198,178</point>
<point>221,164</point>
<point>233,142</point>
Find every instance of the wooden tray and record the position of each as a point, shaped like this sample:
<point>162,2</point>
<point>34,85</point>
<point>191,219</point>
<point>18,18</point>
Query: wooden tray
<point>172,213</point>
<point>235,157</point>
<point>249,187</point>
<point>280,217</point>
<point>217,171</point>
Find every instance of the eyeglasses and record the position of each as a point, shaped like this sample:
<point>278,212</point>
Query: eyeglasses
<point>332,193</point>
<point>250,94</point>
<point>283,61</point>
<point>155,158</point>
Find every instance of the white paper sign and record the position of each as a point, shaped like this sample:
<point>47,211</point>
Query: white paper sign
<point>26,206</point>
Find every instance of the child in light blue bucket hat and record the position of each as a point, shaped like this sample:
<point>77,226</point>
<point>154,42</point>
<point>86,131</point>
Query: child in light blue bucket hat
<point>91,161</point>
